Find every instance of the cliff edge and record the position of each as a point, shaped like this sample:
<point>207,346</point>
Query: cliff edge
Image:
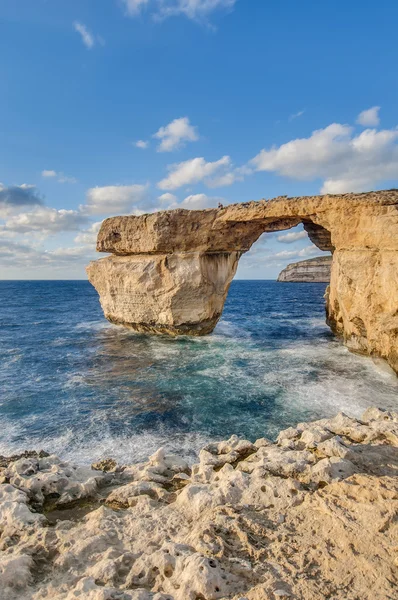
<point>306,271</point>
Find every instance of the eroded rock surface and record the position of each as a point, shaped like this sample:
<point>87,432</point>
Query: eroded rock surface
<point>164,293</point>
<point>312,270</point>
<point>170,271</point>
<point>310,517</point>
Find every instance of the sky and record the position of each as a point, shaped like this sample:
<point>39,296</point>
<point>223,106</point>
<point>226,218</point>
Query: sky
<point>112,107</point>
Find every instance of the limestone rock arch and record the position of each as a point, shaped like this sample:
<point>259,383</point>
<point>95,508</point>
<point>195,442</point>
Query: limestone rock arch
<point>169,272</point>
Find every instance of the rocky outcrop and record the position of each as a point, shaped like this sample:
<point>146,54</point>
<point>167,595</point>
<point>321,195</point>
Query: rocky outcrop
<point>179,293</point>
<point>310,517</point>
<point>312,270</point>
<point>170,271</point>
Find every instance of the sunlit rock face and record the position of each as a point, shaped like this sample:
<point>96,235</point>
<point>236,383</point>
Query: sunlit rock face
<point>307,271</point>
<point>164,293</point>
<point>170,271</point>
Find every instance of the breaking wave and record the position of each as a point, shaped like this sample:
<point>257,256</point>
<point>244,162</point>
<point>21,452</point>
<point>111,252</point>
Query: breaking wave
<point>77,386</point>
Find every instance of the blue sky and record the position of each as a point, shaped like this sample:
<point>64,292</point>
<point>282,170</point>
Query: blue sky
<point>222,96</point>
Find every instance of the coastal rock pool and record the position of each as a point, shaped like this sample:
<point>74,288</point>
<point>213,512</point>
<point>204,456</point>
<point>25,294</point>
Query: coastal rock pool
<point>74,385</point>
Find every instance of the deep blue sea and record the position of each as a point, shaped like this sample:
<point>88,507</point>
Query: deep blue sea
<point>75,385</point>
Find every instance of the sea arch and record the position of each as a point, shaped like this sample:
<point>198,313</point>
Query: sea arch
<point>169,272</point>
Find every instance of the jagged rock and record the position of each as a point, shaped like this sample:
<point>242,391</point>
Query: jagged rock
<point>170,271</point>
<point>256,522</point>
<point>49,478</point>
<point>106,465</point>
<point>312,270</point>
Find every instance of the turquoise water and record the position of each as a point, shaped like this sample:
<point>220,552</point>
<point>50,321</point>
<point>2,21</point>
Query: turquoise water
<point>73,384</point>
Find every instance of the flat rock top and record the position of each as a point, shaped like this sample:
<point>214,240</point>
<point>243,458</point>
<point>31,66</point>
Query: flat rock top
<point>317,260</point>
<point>228,229</point>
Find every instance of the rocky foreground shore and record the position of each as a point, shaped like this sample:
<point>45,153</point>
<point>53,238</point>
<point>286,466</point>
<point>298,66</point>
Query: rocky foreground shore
<point>312,516</point>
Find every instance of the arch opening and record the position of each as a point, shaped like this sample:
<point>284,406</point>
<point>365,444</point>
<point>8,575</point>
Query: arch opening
<point>276,247</point>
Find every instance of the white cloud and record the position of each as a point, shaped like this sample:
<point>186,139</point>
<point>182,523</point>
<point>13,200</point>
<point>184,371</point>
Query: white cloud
<point>15,197</point>
<point>197,10</point>
<point>34,258</point>
<point>114,199</point>
<point>370,117</point>
<point>133,7</point>
<point>296,115</point>
<point>347,163</point>
<point>74,252</point>
<point>176,134</point>
<point>44,219</point>
<point>167,198</point>
<point>192,202</point>
<point>200,201</point>
<point>89,236</point>
<point>141,144</point>
<point>87,37</point>
<point>290,254</point>
<point>61,178</point>
<point>293,236</point>
<point>192,171</point>
<point>65,179</point>
<point>230,177</point>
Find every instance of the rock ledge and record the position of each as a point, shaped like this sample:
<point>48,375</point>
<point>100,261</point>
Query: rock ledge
<point>310,517</point>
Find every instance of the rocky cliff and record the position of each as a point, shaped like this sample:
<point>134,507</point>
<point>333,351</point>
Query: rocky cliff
<point>312,270</point>
<point>170,271</point>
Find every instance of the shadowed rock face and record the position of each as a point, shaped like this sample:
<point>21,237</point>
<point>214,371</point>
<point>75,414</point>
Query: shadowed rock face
<point>306,271</point>
<point>170,271</point>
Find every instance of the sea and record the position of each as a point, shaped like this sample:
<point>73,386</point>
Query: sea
<point>75,385</point>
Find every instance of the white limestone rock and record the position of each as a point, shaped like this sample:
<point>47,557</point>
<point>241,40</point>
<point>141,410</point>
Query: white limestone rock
<point>50,477</point>
<point>249,521</point>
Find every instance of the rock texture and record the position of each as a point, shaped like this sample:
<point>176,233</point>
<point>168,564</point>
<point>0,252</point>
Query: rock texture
<point>310,517</point>
<point>164,293</point>
<point>312,270</point>
<point>170,271</point>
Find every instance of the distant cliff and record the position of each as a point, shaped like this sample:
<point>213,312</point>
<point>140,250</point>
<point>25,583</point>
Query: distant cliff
<point>315,269</point>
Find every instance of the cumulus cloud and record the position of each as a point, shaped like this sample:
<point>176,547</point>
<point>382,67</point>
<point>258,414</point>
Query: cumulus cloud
<point>192,171</point>
<point>46,220</point>
<point>61,177</point>
<point>68,253</point>
<point>346,162</point>
<point>15,253</point>
<point>229,177</point>
<point>87,37</point>
<point>88,236</point>
<point>16,196</point>
<point>192,202</point>
<point>176,134</point>
<point>167,198</point>
<point>28,256</point>
<point>290,254</point>
<point>114,199</point>
<point>197,10</point>
<point>292,236</point>
<point>141,144</point>
<point>200,201</point>
<point>369,117</point>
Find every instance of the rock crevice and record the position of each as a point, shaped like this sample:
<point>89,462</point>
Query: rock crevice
<point>170,271</point>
